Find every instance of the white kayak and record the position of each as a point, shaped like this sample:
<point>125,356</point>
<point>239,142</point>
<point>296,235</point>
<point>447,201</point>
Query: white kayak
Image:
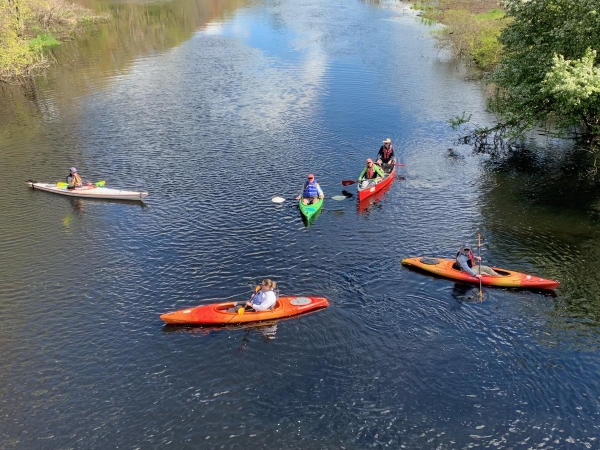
<point>89,191</point>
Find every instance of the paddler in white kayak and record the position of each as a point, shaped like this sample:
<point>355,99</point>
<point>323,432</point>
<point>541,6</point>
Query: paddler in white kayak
<point>74,179</point>
<point>311,191</point>
<point>466,261</point>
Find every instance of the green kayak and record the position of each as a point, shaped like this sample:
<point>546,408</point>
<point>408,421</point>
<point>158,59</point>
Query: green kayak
<point>310,210</point>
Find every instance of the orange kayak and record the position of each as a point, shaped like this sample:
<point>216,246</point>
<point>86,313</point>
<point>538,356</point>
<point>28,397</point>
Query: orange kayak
<point>507,278</point>
<point>225,313</point>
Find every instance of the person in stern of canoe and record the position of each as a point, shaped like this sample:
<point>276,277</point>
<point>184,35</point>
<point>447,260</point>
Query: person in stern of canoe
<point>466,261</point>
<point>385,157</point>
<point>371,172</point>
<point>311,191</point>
<point>265,298</point>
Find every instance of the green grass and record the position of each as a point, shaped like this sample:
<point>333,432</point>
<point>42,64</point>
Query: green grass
<point>492,14</point>
<point>42,43</point>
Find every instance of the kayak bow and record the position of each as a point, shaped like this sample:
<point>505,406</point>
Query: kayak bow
<point>311,209</point>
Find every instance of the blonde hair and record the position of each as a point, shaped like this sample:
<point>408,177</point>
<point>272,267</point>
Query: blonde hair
<point>270,284</point>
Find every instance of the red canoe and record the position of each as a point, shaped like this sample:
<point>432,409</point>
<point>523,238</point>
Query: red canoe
<point>225,313</point>
<point>507,278</point>
<point>372,188</point>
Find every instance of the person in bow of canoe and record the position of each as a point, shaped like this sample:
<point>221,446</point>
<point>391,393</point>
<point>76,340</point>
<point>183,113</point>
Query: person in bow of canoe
<point>386,156</point>
<point>466,261</point>
<point>265,298</point>
<point>311,191</point>
<point>371,172</point>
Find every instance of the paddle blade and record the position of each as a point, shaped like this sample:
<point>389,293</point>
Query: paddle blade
<point>101,183</point>
<point>339,197</point>
<point>62,184</point>
<point>278,199</point>
<point>348,182</point>
<point>241,311</point>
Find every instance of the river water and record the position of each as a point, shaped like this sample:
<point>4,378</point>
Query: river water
<point>215,107</point>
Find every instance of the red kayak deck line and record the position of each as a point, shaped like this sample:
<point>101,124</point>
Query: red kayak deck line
<point>370,190</point>
<point>508,278</point>
<point>224,313</point>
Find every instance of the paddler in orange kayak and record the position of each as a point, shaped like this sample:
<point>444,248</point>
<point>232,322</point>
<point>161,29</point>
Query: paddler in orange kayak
<point>265,298</point>
<point>466,261</point>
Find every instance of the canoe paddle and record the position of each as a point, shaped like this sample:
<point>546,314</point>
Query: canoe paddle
<point>479,254</point>
<point>62,184</point>
<point>242,310</point>
<point>281,199</point>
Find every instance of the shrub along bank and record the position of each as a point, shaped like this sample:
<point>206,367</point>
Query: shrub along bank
<point>30,28</point>
<point>471,31</point>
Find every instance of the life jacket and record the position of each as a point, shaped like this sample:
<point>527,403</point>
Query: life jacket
<point>370,173</point>
<point>386,152</point>
<point>75,179</point>
<point>310,189</point>
<point>470,262</point>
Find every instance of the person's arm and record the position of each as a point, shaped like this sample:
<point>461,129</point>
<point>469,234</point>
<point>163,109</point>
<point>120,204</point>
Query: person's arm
<point>464,266</point>
<point>362,174</point>
<point>320,191</point>
<point>267,302</point>
<point>379,171</point>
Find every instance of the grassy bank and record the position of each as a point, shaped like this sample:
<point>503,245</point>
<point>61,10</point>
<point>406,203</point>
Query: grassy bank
<point>30,28</point>
<point>471,28</point>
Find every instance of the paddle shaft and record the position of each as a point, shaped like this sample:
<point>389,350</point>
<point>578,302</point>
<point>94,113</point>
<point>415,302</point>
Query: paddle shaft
<point>479,254</point>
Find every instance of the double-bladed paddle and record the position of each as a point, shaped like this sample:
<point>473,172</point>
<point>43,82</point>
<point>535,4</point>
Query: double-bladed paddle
<point>281,199</point>
<point>62,184</point>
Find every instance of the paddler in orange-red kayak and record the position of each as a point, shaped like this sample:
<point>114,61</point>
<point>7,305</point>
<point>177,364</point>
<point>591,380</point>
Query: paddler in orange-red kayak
<point>466,261</point>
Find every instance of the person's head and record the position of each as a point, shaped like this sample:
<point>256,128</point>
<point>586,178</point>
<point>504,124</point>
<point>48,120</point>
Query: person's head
<point>387,142</point>
<point>369,162</point>
<point>466,249</point>
<point>310,178</point>
<point>73,170</point>
<point>268,284</point>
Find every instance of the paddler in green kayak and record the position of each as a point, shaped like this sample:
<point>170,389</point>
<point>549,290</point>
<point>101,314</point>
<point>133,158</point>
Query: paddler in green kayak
<point>311,191</point>
<point>466,262</point>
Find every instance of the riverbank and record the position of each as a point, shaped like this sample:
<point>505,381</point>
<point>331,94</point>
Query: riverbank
<point>30,29</point>
<point>471,29</point>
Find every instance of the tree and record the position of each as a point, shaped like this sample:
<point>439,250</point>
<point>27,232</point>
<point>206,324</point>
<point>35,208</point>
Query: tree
<point>549,73</point>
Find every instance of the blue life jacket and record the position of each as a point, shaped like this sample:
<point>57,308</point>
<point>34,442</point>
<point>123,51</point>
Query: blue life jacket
<point>310,189</point>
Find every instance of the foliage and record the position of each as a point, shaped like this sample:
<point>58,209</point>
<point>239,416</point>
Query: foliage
<point>469,35</point>
<point>29,29</point>
<point>548,74</point>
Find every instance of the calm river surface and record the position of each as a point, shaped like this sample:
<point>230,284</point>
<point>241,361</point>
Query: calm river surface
<point>215,107</point>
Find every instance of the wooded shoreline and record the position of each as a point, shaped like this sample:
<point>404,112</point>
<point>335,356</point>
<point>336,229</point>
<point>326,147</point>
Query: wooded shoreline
<point>30,28</point>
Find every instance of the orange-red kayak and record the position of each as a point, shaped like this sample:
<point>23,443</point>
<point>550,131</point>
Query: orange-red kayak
<point>225,313</point>
<point>507,278</point>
